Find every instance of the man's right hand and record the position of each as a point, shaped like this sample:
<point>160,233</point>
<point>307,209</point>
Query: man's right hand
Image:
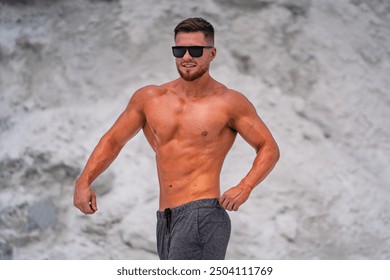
<point>84,199</point>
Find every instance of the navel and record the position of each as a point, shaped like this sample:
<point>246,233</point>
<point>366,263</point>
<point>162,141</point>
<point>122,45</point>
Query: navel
<point>204,133</point>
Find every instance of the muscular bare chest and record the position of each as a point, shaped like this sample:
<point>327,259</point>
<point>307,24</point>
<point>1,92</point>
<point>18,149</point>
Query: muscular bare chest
<point>171,117</point>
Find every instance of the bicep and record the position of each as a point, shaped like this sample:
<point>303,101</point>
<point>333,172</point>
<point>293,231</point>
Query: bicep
<point>250,126</point>
<point>128,124</point>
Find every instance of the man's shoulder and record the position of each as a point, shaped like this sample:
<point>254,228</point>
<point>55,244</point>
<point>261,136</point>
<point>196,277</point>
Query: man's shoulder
<point>151,90</point>
<point>233,96</point>
<point>147,92</point>
<point>236,102</point>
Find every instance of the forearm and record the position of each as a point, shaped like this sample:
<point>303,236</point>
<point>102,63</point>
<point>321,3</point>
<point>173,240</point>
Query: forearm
<point>265,160</point>
<point>103,155</point>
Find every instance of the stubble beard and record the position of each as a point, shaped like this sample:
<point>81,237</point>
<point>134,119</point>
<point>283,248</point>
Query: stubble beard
<point>189,77</point>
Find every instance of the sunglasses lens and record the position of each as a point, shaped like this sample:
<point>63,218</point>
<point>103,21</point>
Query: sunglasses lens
<point>179,51</point>
<point>195,51</point>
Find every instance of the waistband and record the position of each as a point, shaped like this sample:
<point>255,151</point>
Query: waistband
<point>202,203</point>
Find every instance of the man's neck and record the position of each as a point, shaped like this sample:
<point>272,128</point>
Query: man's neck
<point>196,88</point>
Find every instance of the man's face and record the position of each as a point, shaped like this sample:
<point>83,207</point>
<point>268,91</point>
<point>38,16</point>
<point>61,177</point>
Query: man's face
<point>191,68</point>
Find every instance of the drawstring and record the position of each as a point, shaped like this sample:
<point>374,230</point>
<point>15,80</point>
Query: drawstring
<point>168,216</point>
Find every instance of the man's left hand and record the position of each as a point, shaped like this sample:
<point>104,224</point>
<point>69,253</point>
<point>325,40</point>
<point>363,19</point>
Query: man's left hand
<point>234,197</point>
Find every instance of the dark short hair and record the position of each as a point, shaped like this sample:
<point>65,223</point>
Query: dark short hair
<point>195,25</point>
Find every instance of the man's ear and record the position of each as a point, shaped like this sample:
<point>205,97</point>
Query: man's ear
<point>213,53</point>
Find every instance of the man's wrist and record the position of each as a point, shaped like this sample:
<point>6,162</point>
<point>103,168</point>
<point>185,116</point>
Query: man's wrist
<point>247,186</point>
<point>82,183</point>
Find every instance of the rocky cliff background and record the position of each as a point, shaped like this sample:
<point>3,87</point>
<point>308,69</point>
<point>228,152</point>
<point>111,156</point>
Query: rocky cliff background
<point>317,72</point>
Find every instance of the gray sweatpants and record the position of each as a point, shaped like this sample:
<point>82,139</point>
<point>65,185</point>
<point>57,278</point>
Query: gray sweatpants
<point>198,230</point>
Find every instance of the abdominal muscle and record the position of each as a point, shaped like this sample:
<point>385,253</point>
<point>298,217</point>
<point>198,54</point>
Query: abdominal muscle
<point>187,173</point>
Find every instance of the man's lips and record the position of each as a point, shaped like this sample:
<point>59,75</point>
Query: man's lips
<point>188,65</point>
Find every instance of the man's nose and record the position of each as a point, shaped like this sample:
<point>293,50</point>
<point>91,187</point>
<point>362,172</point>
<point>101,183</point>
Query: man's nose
<point>187,55</point>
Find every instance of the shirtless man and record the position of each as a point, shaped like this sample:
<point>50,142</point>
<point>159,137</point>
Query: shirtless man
<point>191,124</point>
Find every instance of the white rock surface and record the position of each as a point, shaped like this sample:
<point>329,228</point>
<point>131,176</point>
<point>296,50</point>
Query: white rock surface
<point>317,72</point>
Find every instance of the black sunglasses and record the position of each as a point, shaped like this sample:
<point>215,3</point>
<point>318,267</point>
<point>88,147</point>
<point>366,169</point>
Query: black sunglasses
<point>195,51</point>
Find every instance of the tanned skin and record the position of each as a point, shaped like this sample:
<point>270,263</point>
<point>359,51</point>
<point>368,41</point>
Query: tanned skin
<point>191,124</point>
